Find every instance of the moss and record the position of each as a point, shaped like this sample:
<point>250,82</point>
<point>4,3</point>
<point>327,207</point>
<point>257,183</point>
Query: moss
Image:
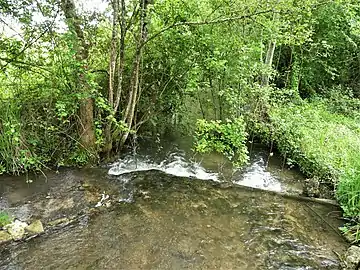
<point>5,219</point>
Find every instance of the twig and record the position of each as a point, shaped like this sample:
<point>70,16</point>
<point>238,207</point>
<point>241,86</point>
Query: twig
<point>206,22</point>
<point>31,42</point>
<point>327,223</point>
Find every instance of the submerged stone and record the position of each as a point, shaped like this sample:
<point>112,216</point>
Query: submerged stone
<point>35,228</point>
<point>4,237</point>
<point>59,221</point>
<point>352,258</point>
<point>16,229</point>
<point>311,187</point>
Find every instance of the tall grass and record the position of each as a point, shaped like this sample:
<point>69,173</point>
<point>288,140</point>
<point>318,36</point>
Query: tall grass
<point>9,138</point>
<point>323,143</point>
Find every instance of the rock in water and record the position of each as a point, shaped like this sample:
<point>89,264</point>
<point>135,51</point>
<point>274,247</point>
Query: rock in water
<point>35,228</point>
<point>352,258</point>
<point>311,187</point>
<point>4,237</point>
<point>16,229</point>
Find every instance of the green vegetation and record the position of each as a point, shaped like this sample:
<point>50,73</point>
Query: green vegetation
<point>76,85</point>
<point>228,138</point>
<point>323,144</point>
<point>4,219</point>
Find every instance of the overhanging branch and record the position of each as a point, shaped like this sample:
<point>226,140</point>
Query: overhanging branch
<point>207,22</point>
<point>30,43</point>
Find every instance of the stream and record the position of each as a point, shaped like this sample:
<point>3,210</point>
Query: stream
<point>162,207</point>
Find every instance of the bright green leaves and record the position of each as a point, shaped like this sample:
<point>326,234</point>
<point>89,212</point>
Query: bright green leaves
<point>5,219</point>
<point>227,138</point>
<point>323,144</point>
<point>330,56</point>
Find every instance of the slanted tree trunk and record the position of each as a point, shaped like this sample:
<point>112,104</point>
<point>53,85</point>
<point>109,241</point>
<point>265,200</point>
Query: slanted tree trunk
<point>86,110</point>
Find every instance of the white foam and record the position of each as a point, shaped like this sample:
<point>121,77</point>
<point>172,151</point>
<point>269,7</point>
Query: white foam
<point>256,176</point>
<point>174,164</point>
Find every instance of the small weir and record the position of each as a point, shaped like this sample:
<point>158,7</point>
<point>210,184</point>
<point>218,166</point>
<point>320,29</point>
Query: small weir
<point>165,208</point>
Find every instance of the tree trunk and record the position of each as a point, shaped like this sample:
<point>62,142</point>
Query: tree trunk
<point>134,84</point>
<point>133,95</point>
<point>121,55</point>
<point>287,81</point>
<point>268,62</point>
<point>213,97</point>
<point>112,69</point>
<point>86,111</point>
<point>295,74</point>
<point>113,49</point>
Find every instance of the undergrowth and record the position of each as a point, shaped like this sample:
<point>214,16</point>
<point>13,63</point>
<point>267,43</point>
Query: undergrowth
<point>323,143</point>
<point>225,137</point>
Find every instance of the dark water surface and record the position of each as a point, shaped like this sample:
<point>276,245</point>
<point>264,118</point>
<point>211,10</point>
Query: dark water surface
<point>159,220</point>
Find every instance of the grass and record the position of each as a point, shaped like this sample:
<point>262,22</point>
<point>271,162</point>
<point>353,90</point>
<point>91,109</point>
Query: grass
<point>323,144</point>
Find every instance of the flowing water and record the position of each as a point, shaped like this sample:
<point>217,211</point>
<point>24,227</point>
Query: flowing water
<point>164,208</point>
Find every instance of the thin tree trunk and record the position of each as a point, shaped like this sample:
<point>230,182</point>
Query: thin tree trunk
<point>220,101</point>
<point>201,105</point>
<point>133,95</point>
<point>113,49</point>
<point>268,62</point>
<point>134,84</point>
<point>213,97</point>
<point>289,68</point>
<point>121,55</point>
<point>112,68</point>
<point>269,56</point>
<point>86,111</point>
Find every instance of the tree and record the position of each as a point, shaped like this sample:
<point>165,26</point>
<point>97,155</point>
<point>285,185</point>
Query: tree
<point>86,108</point>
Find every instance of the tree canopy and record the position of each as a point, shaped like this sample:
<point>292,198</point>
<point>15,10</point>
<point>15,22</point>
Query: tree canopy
<point>77,84</point>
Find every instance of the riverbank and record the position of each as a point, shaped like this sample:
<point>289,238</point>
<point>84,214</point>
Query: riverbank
<point>325,145</point>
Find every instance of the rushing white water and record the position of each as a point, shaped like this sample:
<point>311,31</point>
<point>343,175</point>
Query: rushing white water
<point>175,164</point>
<point>257,176</point>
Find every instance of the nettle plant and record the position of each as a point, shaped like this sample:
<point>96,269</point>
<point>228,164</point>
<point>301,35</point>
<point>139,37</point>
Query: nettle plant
<point>226,137</point>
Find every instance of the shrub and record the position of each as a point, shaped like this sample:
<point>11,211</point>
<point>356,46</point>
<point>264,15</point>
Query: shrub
<point>227,137</point>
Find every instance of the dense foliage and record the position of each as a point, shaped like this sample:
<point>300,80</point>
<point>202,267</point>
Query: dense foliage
<point>76,84</point>
<point>228,138</point>
<point>324,144</point>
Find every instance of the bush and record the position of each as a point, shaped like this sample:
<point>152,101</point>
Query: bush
<point>227,137</point>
